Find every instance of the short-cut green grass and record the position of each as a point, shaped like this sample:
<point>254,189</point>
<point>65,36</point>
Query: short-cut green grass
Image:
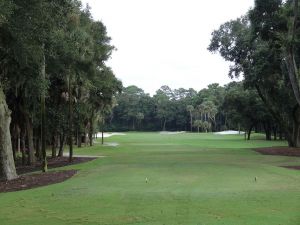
<point>154,179</point>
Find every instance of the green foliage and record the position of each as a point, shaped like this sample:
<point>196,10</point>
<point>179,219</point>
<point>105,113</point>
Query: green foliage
<point>6,9</point>
<point>228,107</point>
<point>167,107</point>
<point>256,46</point>
<point>53,54</point>
<point>198,124</point>
<point>244,107</point>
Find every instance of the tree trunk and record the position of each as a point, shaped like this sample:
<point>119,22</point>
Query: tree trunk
<point>285,128</point>
<point>268,135</point>
<point>79,144</point>
<point>268,131</point>
<point>23,148</point>
<point>296,133</point>
<point>280,135</point>
<point>91,130</point>
<point>76,138</point>
<point>249,132</point>
<point>293,73</point>
<point>191,115</point>
<point>61,145</point>
<point>293,137</point>
<point>14,141</point>
<point>38,149</point>
<point>29,129</point>
<point>85,137</point>
<point>7,164</point>
<point>19,142</point>
<point>275,133</point>
<point>164,125</point>
<point>256,129</point>
<point>53,155</point>
<point>43,119</point>
<point>290,60</point>
<point>70,119</point>
<point>14,149</point>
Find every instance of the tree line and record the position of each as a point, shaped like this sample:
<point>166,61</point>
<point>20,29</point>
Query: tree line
<point>54,83</point>
<point>214,108</point>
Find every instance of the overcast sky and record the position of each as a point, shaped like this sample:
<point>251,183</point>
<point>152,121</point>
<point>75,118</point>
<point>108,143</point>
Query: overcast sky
<point>164,42</point>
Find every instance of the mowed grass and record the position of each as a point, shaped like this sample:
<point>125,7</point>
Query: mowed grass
<point>193,179</point>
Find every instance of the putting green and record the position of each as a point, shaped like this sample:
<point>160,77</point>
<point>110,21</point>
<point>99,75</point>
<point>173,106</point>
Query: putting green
<point>155,179</point>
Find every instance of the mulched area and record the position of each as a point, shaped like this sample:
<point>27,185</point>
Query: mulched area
<point>28,181</point>
<point>36,180</point>
<point>281,151</point>
<point>52,163</point>
<point>292,167</point>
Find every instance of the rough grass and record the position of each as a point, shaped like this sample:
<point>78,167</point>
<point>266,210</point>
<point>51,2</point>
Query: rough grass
<point>193,179</point>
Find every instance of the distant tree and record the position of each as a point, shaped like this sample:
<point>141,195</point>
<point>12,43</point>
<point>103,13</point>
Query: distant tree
<point>190,109</point>
<point>198,124</point>
<point>164,105</point>
<point>140,116</point>
<point>206,126</point>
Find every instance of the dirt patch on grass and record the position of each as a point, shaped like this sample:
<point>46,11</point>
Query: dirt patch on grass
<point>52,163</point>
<point>281,151</point>
<point>28,181</point>
<point>292,167</point>
<point>36,180</point>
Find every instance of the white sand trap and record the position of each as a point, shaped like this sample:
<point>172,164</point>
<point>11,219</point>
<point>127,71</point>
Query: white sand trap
<point>66,154</point>
<point>106,135</point>
<point>172,133</point>
<point>228,132</point>
<point>111,144</point>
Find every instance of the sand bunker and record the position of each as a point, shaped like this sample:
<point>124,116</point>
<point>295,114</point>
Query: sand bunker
<point>228,132</point>
<point>109,134</point>
<point>171,133</point>
<point>111,144</point>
